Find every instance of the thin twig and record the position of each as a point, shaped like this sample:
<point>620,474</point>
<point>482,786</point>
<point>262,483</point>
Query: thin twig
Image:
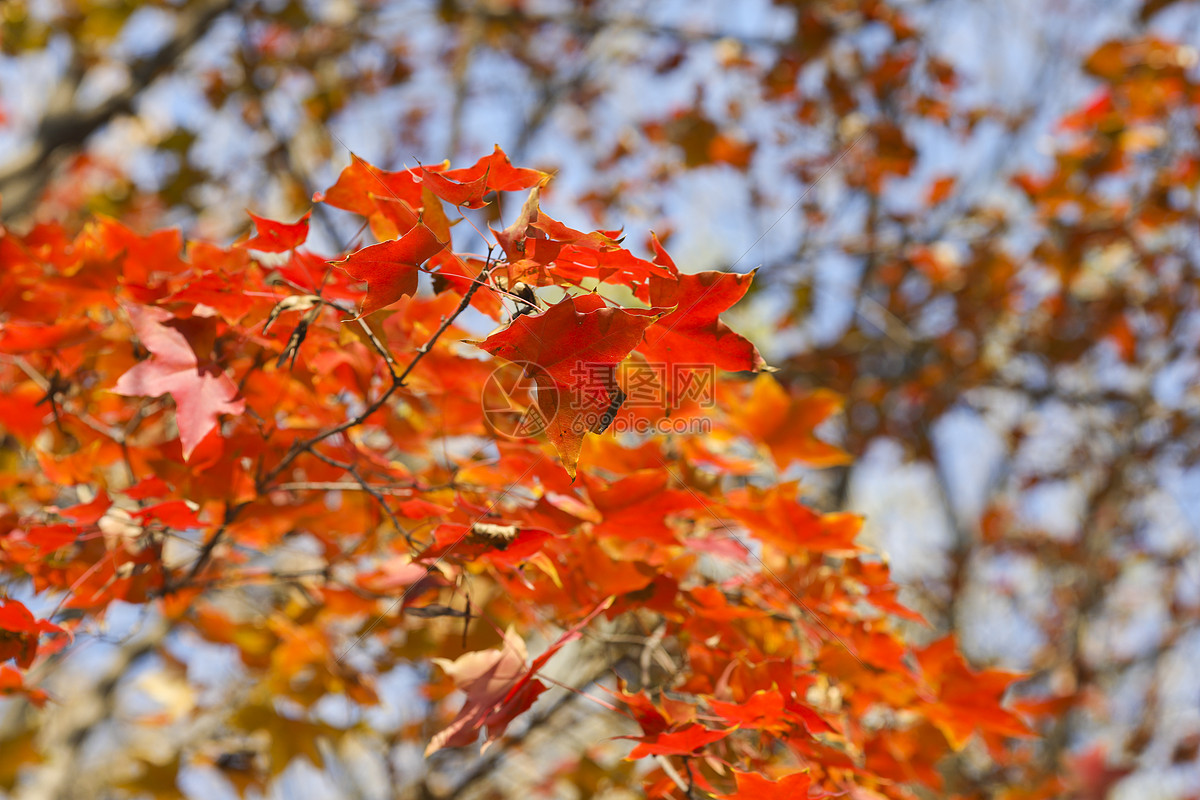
<point>23,181</point>
<point>394,489</point>
<point>486,766</point>
<point>206,552</point>
<point>673,774</point>
<point>397,382</point>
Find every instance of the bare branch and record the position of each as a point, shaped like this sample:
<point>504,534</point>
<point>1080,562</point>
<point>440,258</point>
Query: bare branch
<point>397,382</point>
<point>21,184</point>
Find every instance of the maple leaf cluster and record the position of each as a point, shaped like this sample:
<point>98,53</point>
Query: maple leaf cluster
<point>173,412</point>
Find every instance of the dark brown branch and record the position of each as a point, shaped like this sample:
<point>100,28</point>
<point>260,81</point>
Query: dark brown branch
<point>397,382</point>
<point>21,184</point>
<point>210,546</point>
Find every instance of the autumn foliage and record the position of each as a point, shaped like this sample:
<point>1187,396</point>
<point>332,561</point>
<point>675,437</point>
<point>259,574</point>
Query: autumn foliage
<point>180,416</point>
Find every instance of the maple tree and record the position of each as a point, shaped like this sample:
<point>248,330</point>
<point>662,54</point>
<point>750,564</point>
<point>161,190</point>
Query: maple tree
<point>976,239</point>
<point>187,414</point>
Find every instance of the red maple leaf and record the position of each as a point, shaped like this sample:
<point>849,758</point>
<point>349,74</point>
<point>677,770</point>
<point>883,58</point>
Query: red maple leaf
<point>777,517</point>
<point>391,268</point>
<point>502,176</point>
<point>967,700</point>
<point>541,250</point>
<point>693,332</point>
<point>19,632</point>
<point>19,338</point>
<point>498,686</point>
<point>277,237</point>
<point>87,513</point>
<point>683,741</point>
<point>173,514</point>
<point>48,538</point>
<point>467,186</point>
<point>359,183</point>
<point>639,506</point>
<point>786,423</point>
<point>576,344</point>
<point>12,682</point>
<point>752,786</point>
<point>763,710</point>
<point>201,391</point>
<point>462,544</point>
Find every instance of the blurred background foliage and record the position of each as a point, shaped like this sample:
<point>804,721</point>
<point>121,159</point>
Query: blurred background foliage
<point>977,221</point>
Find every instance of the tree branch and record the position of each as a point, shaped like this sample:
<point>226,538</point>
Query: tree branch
<point>487,765</point>
<point>24,180</point>
<point>397,382</point>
